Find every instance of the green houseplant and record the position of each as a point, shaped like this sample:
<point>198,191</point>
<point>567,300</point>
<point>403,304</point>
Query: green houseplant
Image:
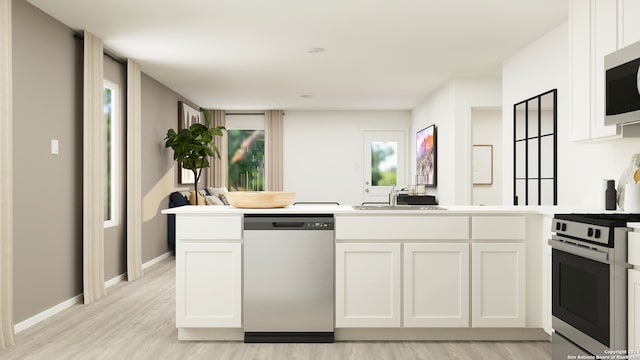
<point>193,146</point>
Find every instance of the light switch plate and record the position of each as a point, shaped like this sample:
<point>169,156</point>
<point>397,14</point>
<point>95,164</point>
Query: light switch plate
<point>54,146</point>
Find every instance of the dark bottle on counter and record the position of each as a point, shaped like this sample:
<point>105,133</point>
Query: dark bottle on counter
<point>610,195</point>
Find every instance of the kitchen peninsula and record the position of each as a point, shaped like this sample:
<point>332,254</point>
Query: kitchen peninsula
<point>462,273</point>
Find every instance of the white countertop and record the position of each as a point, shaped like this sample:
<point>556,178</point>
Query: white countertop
<point>349,210</point>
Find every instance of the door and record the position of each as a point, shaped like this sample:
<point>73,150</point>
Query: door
<point>436,285</point>
<point>208,292</point>
<point>384,164</point>
<point>581,294</point>
<point>368,285</point>
<point>498,285</point>
<point>634,310</point>
<point>288,277</point>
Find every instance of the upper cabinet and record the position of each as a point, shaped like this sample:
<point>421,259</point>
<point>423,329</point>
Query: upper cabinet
<point>596,28</point>
<point>628,24</point>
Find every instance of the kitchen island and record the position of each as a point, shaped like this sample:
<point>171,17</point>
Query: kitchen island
<point>464,273</point>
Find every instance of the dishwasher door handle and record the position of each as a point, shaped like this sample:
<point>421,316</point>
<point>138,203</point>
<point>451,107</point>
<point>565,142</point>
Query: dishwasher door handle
<point>287,224</point>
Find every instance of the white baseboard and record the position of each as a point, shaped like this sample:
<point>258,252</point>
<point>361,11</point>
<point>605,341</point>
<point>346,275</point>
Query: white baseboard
<point>47,313</point>
<point>156,260</point>
<point>78,299</point>
<point>115,280</point>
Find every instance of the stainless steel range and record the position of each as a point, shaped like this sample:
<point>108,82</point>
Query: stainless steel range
<point>589,283</point>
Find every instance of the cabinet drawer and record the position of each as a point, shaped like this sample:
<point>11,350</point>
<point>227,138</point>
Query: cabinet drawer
<point>402,227</point>
<point>208,227</point>
<point>499,228</point>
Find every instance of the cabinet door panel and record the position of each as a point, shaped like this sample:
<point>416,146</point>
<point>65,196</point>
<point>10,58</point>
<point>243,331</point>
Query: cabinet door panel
<point>604,17</point>
<point>208,285</point>
<point>368,285</point>
<point>628,24</point>
<point>498,285</point>
<point>436,285</point>
<point>634,310</point>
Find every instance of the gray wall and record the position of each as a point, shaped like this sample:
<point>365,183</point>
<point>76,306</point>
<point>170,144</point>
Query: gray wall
<point>159,113</point>
<point>47,95</point>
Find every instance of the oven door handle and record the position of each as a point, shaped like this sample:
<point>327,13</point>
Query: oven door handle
<point>588,253</point>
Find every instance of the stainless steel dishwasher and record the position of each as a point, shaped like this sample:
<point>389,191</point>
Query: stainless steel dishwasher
<point>288,278</point>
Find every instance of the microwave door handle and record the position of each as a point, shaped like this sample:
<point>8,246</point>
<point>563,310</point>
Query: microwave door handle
<point>592,254</point>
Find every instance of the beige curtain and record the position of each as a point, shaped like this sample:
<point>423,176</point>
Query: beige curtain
<point>134,172</point>
<point>217,176</point>
<point>6,178</point>
<point>94,160</point>
<point>273,150</point>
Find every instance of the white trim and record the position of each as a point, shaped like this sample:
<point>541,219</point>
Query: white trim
<point>23,325</point>
<point>115,280</point>
<point>156,260</point>
<point>114,157</point>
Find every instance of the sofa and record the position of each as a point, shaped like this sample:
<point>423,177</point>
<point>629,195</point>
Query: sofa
<point>207,196</point>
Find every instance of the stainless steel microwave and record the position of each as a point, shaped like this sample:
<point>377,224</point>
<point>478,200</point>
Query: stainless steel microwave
<point>622,85</point>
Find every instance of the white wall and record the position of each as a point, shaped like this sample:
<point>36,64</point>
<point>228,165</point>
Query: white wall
<point>542,66</point>
<point>450,109</point>
<point>323,151</point>
<point>487,130</point>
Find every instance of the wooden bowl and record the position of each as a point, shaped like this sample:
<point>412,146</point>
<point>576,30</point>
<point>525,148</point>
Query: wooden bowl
<point>260,199</point>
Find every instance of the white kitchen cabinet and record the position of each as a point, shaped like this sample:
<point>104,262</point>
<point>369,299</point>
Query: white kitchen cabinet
<point>546,274</point>
<point>633,317</point>
<point>368,285</point>
<point>592,34</point>
<point>628,24</point>
<point>498,291</point>
<point>436,284</point>
<point>208,284</point>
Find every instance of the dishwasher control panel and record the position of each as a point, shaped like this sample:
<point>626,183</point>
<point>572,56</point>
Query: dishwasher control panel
<point>319,225</point>
<point>314,222</point>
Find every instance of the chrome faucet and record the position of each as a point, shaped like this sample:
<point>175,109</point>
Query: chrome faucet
<point>393,196</point>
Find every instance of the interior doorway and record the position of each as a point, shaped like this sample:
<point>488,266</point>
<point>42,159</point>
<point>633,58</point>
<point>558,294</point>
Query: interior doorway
<point>486,159</point>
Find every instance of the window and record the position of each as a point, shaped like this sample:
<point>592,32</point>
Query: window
<point>111,118</point>
<point>245,134</point>
<point>535,150</point>
<point>384,163</point>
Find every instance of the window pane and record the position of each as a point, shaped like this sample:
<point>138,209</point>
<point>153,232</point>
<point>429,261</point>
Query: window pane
<point>246,160</point>
<point>384,163</point>
<point>108,111</point>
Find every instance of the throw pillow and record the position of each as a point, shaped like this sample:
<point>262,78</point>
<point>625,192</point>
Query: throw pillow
<point>178,199</point>
<point>192,199</point>
<point>213,200</point>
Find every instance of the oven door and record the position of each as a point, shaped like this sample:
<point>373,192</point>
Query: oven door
<point>581,294</point>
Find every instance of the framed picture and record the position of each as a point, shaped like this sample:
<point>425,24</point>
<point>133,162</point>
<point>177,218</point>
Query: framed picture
<point>426,156</point>
<point>187,116</point>
<point>482,164</point>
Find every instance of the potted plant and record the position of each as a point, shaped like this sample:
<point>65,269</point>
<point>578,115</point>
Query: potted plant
<point>193,146</point>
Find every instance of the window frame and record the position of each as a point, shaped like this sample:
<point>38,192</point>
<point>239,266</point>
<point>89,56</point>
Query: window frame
<point>113,159</point>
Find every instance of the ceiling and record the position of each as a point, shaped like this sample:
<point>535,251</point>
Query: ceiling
<point>255,54</point>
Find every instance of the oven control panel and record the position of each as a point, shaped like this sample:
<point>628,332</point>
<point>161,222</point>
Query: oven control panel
<point>589,232</point>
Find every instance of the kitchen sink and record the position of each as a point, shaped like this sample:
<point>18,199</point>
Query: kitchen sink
<point>398,207</point>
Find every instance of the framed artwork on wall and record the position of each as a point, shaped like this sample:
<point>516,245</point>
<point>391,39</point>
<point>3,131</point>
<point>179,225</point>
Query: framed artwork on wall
<point>426,156</point>
<point>482,164</point>
<point>187,116</point>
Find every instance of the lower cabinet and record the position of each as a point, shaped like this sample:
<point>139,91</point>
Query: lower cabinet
<point>436,285</point>
<point>633,309</point>
<point>208,284</point>
<point>368,285</point>
<point>498,289</point>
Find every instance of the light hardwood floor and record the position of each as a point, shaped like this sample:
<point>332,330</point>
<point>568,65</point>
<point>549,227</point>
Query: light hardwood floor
<point>137,321</point>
